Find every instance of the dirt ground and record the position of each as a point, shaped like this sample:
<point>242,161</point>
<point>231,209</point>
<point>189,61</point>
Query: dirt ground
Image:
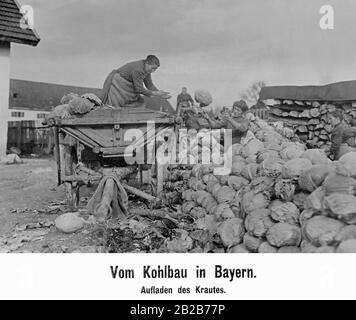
<point>30,201</point>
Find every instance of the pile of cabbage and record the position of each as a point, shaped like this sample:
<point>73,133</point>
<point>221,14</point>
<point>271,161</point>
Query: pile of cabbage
<point>278,198</point>
<point>72,104</point>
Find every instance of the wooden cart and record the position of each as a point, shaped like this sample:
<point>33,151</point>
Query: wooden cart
<point>102,140</point>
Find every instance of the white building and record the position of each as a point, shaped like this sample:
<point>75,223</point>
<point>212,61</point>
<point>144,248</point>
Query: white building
<point>16,115</point>
<point>10,32</point>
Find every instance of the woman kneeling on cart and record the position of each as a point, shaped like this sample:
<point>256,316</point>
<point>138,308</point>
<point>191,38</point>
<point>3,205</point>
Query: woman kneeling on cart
<point>123,87</point>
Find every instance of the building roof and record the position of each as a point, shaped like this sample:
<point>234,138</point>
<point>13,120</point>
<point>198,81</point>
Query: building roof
<point>10,25</point>
<point>41,96</point>
<point>340,91</point>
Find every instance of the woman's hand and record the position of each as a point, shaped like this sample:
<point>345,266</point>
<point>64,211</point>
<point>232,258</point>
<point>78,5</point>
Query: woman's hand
<point>161,94</point>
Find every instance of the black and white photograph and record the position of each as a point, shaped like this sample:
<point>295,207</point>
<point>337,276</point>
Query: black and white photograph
<point>207,127</point>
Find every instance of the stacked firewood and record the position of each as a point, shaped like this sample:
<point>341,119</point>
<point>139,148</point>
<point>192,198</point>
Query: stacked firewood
<point>310,120</point>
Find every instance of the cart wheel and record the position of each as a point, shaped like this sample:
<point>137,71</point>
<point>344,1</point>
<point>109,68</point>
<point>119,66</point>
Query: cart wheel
<point>159,174</point>
<point>72,188</point>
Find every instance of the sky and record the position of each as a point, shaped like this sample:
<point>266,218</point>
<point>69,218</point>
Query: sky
<point>219,45</point>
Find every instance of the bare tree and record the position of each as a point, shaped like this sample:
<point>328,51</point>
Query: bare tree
<point>251,95</point>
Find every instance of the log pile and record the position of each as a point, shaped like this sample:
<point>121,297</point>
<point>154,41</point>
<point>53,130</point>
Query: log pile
<point>310,120</point>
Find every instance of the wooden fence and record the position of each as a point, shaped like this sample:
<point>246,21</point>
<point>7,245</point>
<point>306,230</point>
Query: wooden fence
<point>31,137</point>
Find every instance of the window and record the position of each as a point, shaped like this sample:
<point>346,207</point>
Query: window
<point>16,114</point>
<point>41,115</point>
